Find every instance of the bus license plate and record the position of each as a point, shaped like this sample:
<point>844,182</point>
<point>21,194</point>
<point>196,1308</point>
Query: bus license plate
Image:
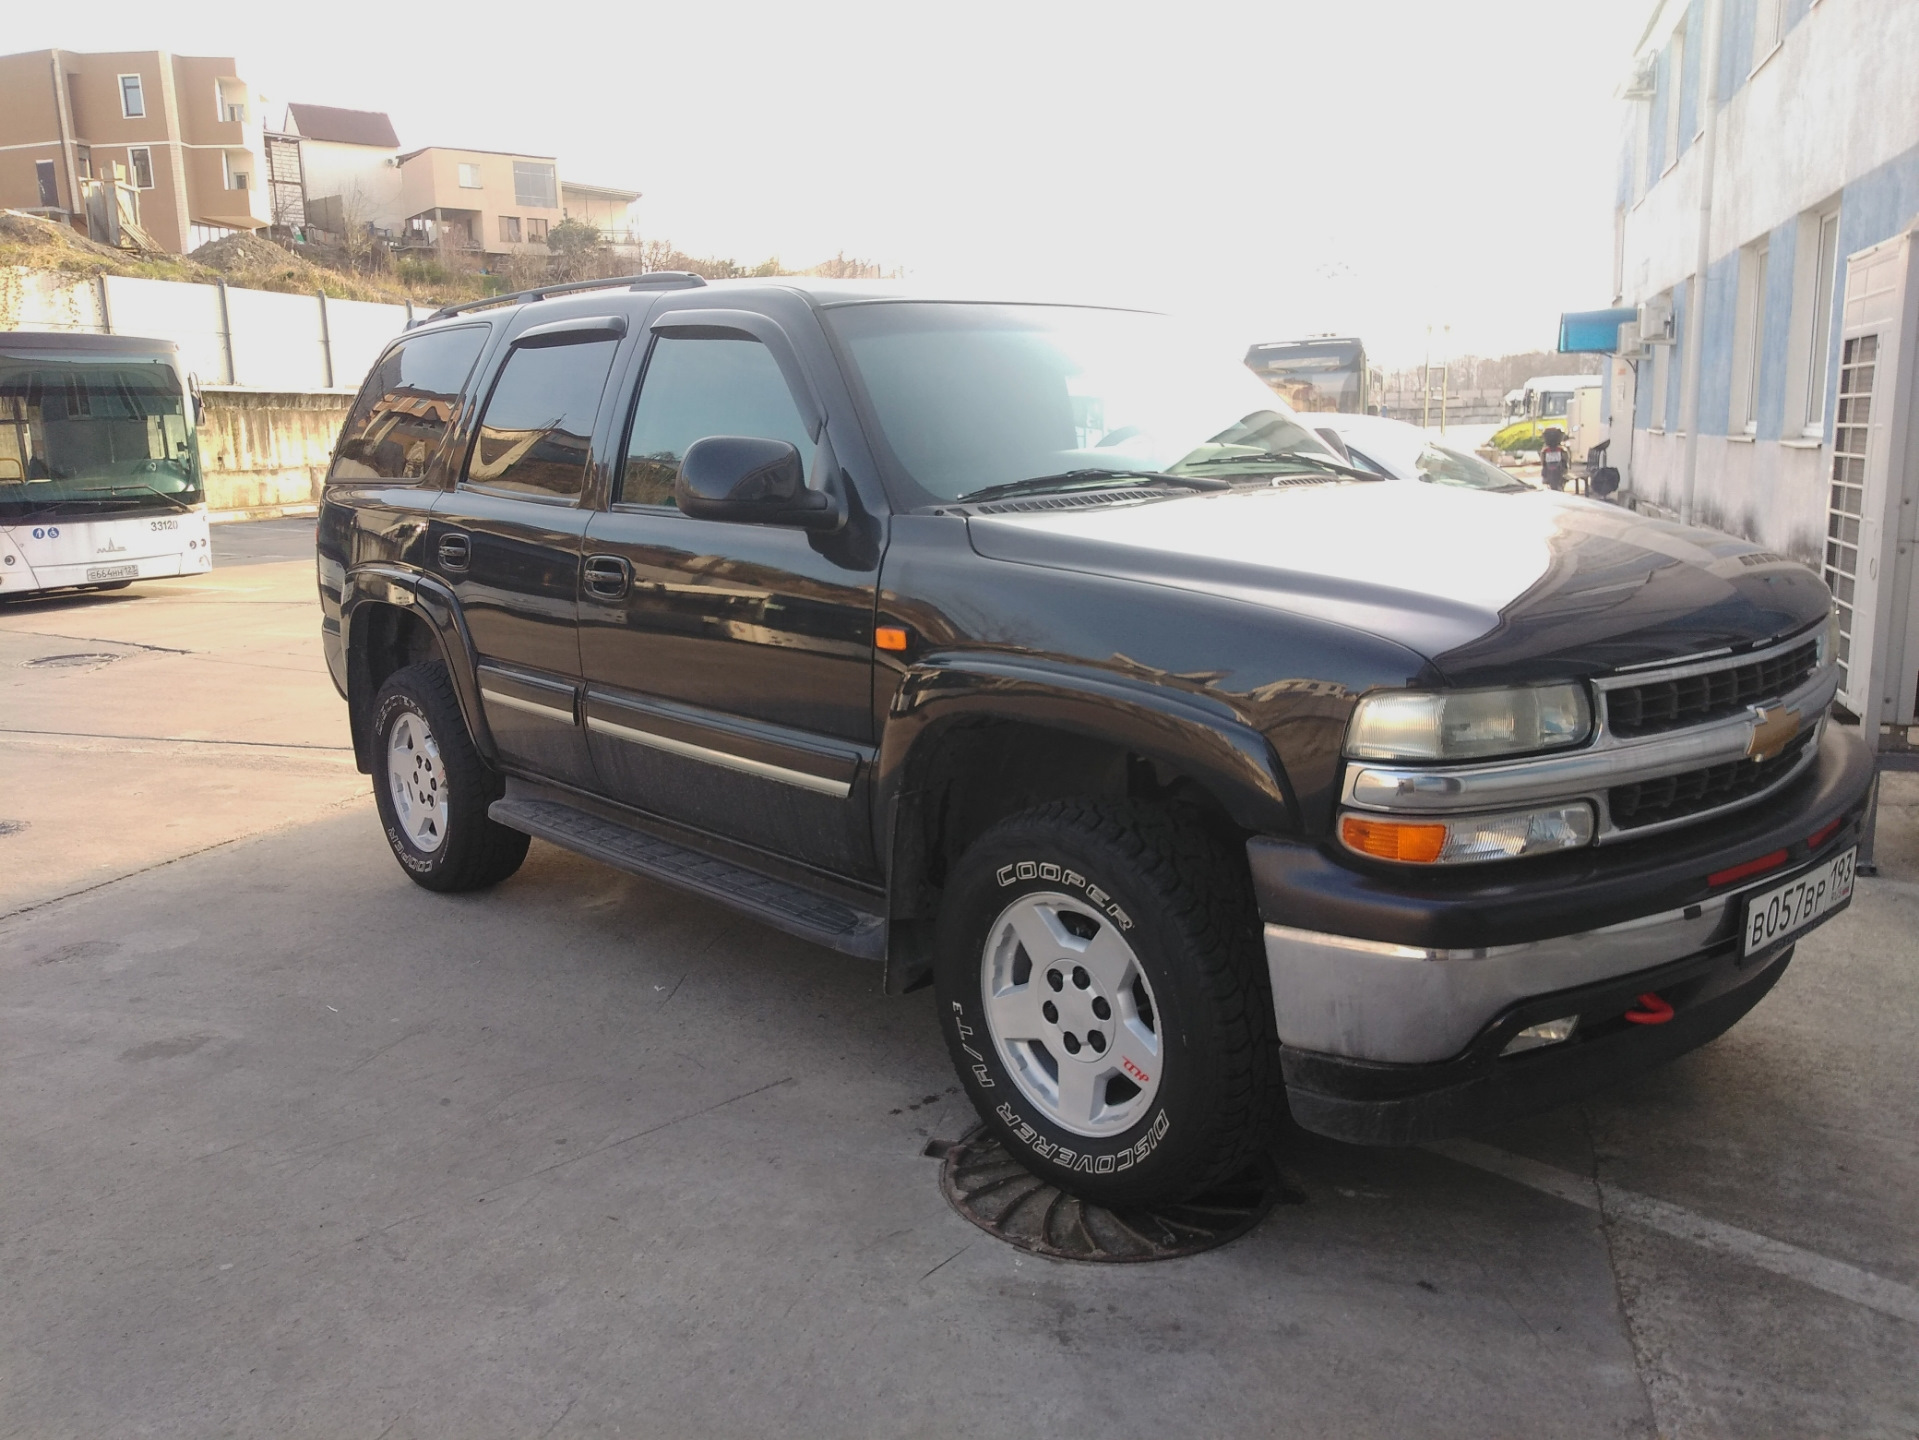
<point>1773,914</point>
<point>112,572</point>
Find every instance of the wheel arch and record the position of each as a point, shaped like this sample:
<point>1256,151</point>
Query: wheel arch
<point>392,619</point>
<point>967,746</point>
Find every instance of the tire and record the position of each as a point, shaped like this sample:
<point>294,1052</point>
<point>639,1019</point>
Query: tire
<point>1149,972</point>
<point>432,788</point>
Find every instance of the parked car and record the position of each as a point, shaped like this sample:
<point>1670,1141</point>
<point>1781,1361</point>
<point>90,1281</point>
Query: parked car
<point>1026,652</point>
<point>1398,451</point>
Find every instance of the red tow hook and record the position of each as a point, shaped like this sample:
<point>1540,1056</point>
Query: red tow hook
<point>1649,1009</point>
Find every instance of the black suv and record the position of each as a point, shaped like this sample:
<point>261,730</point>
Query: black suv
<point>1033,653</point>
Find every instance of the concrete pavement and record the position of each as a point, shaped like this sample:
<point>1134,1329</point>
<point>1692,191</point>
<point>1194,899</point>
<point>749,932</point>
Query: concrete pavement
<point>290,1146</point>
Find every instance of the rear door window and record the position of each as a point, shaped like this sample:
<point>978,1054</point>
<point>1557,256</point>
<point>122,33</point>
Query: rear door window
<point>700,387</point>
<point>402,413</point>
<point>535,436</point>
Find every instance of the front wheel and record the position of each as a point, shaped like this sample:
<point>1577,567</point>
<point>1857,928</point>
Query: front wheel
<point>432,788</point>
<point>1104,997</point>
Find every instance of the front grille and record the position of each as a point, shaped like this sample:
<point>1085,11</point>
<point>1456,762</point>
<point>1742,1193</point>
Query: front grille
<point>1673,797</point>
<point>1657,705</point>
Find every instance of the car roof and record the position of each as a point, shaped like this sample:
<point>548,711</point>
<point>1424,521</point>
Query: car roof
<point>822,292</point>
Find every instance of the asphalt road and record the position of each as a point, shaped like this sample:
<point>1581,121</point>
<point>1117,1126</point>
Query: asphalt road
<point>289,1146</point>
<point>263,542</point>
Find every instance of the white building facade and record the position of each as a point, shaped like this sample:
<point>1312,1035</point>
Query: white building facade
<point>1815,157</point>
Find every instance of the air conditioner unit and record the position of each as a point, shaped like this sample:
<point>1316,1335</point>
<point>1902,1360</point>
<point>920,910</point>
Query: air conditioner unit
<point>1655,323</point>
<point>1643,83</point>
<point>1631,347</point>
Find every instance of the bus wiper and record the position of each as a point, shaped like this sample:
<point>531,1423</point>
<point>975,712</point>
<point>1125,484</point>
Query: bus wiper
<point>134,485</point>
<point>1090,479</point>
<point>1268,460</point>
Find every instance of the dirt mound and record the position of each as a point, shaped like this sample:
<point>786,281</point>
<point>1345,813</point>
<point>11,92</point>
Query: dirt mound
<point>42,244</point>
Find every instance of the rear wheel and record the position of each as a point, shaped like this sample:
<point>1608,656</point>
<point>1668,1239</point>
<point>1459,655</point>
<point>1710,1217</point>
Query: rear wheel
<point>432,788</point>
<point>1106,1003</point>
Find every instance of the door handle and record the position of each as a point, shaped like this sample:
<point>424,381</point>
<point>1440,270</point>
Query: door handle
<point>607,576</point>
<point>455,551</point>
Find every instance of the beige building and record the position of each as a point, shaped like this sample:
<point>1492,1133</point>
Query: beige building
<point>606,208</point>
<point>184,131</point>
<point>478,202</point>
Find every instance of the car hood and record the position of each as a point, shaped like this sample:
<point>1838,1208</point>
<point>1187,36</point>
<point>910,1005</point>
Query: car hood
<point>1490,588</point>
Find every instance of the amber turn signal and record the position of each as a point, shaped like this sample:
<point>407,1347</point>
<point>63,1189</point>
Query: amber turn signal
<point>1419,843</point>
<point>889,637</point>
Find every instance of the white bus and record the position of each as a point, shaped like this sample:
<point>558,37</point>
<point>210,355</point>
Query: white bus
<point>100,481</point>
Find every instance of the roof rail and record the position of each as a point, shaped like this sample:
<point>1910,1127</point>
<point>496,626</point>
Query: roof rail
<point>652,280</point>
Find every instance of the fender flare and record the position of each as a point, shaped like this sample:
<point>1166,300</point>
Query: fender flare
<point>1199,735</point>
<point>434,603</point>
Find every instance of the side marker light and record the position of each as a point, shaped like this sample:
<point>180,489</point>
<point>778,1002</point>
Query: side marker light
<point>889,637</point>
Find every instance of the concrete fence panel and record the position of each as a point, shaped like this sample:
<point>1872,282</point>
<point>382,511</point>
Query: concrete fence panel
<point>48,300</point>
<point>360,331</point>
<point>277,341</point>
<point>188,315</point>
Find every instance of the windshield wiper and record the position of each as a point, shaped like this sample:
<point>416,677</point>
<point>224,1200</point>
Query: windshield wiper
<point>1268,460</point>
<point>137,486</point>
<point>1090,479</point>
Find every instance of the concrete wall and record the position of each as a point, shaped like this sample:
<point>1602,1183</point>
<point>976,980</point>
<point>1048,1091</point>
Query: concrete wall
<point>265,450</point>
<point>1824,118</point>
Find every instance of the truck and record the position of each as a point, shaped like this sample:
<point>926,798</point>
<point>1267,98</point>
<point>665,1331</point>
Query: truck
<point>1034,656</point>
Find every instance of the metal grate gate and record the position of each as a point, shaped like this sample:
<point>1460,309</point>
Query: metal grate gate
<point>1851,426</point>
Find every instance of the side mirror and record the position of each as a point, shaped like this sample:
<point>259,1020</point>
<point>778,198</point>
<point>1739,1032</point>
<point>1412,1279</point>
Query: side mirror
<point>199,402</point>
<point>760,482</point>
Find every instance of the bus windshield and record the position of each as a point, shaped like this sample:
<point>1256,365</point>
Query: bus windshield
<point>83,437</point>
<point>1315,376</point>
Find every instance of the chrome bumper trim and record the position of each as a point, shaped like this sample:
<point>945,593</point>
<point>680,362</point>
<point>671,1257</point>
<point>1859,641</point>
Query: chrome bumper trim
<point>1403,1004</point>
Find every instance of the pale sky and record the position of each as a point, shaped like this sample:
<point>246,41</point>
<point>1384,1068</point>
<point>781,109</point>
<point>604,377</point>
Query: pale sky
<point>1371,167</point>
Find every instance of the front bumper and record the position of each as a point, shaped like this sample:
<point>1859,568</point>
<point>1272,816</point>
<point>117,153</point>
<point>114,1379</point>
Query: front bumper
<point>1395,992</point>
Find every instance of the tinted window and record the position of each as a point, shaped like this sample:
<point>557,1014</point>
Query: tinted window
<point>538,425</point>
<point>696,388</point>
<point>402,412</point>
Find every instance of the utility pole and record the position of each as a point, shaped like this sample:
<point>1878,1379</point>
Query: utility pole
<point>1696,293</point>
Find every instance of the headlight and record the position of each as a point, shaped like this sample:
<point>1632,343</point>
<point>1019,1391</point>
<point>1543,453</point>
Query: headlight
<point>1462,840</point>
<point>1467,724</point>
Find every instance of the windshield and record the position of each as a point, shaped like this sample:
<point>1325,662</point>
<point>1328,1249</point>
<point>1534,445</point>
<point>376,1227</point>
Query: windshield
<point>1443,465</point>
<point>81,437</point>
<point>971,397</point>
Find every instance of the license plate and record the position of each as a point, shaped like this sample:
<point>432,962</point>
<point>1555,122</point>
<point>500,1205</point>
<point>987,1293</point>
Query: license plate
<point>113,572</point>
<point>1788,908</point>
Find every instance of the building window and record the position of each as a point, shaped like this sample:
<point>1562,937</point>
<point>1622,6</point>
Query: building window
<point>49,185</point>
<point>1675,87</point>
<point>469,177</point>
<point>534,185</point>
<point>509,229</point>
<point>140,162</point>
<point>1819,338</point>
<point>1768,29</point>
<point>536,229</point>
<point>1749,337</point>
<point>236,179</point>
<point>83,161</point>
<point>133,103</point>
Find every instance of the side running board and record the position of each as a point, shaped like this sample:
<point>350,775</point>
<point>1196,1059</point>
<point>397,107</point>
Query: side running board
<point>781,904</point>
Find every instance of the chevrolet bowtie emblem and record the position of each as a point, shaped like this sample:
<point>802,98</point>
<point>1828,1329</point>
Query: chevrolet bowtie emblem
<point>1772,732</point>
